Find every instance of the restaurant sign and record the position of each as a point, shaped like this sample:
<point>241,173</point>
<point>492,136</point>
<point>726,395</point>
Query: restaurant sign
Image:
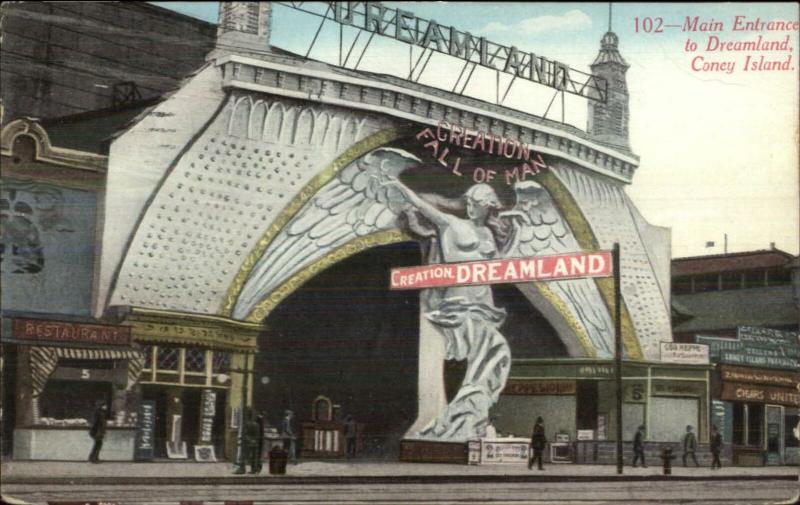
<point>738,392</point>
<point>43,332</point>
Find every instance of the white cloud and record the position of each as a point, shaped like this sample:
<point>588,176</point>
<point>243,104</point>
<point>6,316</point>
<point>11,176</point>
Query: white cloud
<point>573,21</point>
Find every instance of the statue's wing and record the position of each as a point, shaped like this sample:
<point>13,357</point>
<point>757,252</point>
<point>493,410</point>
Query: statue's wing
<point>354,203</point>
<point>538,229</point>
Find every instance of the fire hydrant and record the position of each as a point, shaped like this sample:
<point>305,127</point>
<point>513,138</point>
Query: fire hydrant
<point>667,457</point>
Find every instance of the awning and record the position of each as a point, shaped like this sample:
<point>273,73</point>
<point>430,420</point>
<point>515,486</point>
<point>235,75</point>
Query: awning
<point>44,360</point>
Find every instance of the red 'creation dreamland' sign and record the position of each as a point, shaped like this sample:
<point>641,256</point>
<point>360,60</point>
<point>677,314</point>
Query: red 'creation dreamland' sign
<point>510,270</point>
<point>76,333</point>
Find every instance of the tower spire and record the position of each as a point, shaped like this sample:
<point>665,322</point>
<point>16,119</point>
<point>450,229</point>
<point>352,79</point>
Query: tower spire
<point>608,120</point>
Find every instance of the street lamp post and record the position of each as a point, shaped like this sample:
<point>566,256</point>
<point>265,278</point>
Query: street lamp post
<point>618,351</point>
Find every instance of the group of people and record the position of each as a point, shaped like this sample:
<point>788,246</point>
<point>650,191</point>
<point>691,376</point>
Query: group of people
<point>253,441</point>
<point>689,447</point>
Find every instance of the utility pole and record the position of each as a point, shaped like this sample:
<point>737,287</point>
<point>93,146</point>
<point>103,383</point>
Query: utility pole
<point>618,351</point>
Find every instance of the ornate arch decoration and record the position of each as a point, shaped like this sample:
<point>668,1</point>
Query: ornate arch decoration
<point>561,195</point>
<point>45,152</point>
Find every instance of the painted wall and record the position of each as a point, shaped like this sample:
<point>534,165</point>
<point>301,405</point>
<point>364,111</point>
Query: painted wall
<point>48,248</point>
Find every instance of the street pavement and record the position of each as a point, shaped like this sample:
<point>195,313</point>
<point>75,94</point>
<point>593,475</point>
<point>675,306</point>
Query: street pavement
<point>390,482</point>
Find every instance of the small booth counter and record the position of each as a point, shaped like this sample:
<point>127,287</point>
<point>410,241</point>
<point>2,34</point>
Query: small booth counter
<point>64,371</point>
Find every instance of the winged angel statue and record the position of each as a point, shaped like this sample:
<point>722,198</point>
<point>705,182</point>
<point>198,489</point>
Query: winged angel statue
<point>367,197</point>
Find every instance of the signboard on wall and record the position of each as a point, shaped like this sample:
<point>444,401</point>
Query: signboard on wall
<point>634,392</point>
<point>502,271</point>
<point>43,331</point>
<point>722,418</point>
<point>209,409</point>
<point>757,347</point>
<point>545,387</point>
<point>756,376</point>
<point>145,431</point>
<point>758,393</point>
<point>689,354</point>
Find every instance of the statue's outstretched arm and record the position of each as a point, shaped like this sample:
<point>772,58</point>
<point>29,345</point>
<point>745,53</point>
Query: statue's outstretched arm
<point>436,216</point>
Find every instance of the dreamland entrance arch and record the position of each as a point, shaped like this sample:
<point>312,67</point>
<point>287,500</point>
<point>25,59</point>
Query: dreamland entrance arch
<point>211,200</point>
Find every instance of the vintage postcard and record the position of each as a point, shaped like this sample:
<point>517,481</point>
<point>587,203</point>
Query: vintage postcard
<point>399,252</point>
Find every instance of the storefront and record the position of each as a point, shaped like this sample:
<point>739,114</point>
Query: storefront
<point>756,391</point>
<point>195,372</point>
<point>578,397</point>
<point>64,369</point>
<point>761,408</point>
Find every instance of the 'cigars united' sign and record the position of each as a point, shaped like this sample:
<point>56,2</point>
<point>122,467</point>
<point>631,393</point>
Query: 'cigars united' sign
<point>510,270</point>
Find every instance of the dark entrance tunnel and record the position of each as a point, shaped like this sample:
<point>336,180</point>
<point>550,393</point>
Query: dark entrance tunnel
<point>346,336</point>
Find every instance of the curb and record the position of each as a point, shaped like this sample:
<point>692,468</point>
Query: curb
<point>290,480</point>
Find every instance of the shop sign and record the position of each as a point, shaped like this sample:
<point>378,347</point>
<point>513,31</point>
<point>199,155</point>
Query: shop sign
<point>634,392</point>
<point>722,418</point>
<point>738,392</point>
<point>532,388</point>
<point>594,371</point>
<point>43,331</point>
<point>209,409</point>
<point>511,270</point>
<point>755,376</point>
<point>689,354</point>
<point>515,451</point>
<point>674,389</point>
<point>760,358</point>
<point>768,337</point>
<point>145,432</point>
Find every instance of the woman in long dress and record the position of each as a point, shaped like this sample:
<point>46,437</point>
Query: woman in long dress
<point>466,315</point>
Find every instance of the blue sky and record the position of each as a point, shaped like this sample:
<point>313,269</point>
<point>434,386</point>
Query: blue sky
<point>718,151</point>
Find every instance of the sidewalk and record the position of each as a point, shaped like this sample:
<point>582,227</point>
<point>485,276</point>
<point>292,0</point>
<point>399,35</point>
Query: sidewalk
<point>169,472</point>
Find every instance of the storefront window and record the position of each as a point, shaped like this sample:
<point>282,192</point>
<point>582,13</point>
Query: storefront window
<point>790,422</point>
<point>184,366</point>
<point>755,424</point>
<point>748,424</point>
<point>221,362</point>
<point>195,360</point>
<point>66,402</point>
<point>167,358</point>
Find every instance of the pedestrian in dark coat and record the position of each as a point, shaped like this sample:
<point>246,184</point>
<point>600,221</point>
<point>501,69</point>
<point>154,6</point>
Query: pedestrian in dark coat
<point>98,431</point>
<point>638,447</point>
<point>690,446</point>
<point>350,436</point>
<point>288,435</point>
<point>716,447</point>
<point>259,447</point>
<point>538,443</point>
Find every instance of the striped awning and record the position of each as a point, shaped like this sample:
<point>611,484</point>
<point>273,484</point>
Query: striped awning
<point>44,360</point>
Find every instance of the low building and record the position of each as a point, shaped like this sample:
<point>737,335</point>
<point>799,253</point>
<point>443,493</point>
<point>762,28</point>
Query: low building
<point>743,306</point>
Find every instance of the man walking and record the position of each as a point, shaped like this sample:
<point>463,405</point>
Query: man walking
<point>689,446</point>
<point>98,431</point>
<point>638,447</point>
<point>716,447</point>
<point>287,433</point>
<point>350,436</point>
<point>538,443</point>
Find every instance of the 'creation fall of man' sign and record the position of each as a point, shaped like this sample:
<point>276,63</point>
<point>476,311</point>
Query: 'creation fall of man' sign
<point>502,271</point>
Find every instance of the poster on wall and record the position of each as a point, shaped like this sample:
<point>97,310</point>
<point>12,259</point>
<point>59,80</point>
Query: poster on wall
<point>145,432</point>
<point>413,208</point>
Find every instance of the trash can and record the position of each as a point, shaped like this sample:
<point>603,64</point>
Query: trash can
<point>277,461</point>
